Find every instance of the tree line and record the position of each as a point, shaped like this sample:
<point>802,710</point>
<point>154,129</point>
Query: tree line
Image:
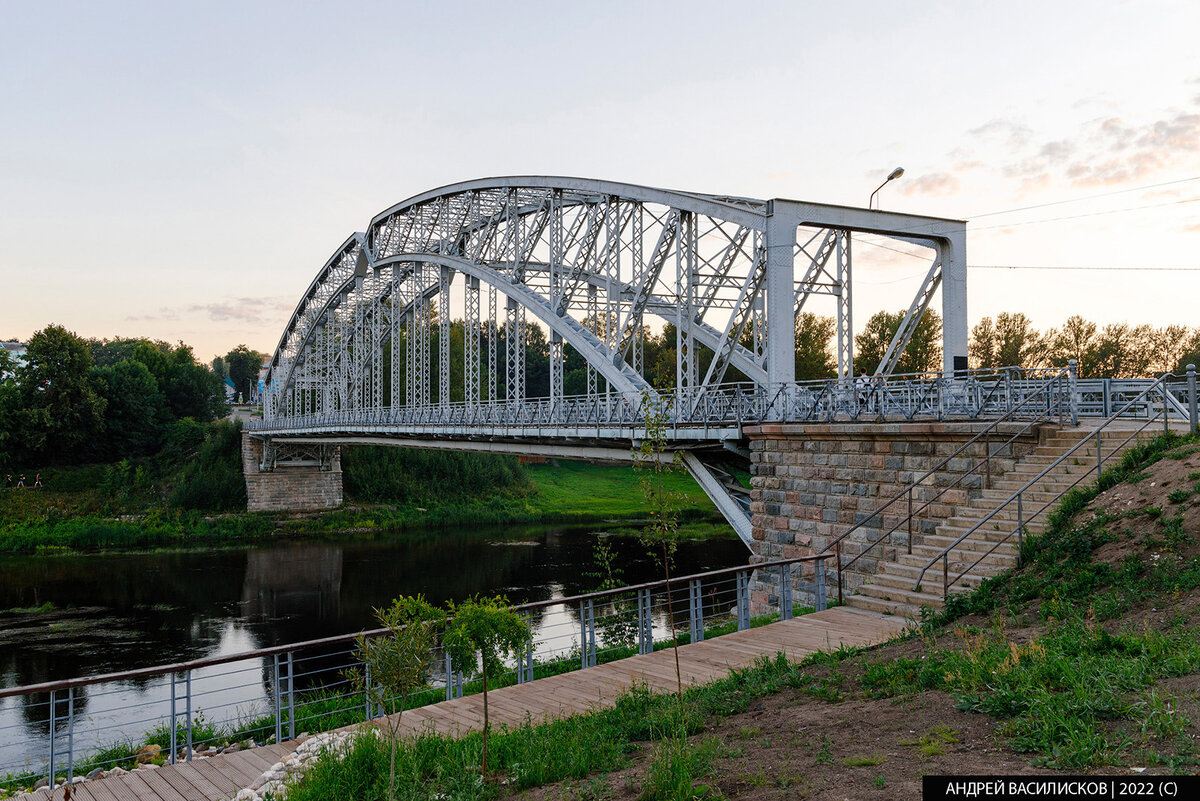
<point>1117,350</point>
<point>74,400</point>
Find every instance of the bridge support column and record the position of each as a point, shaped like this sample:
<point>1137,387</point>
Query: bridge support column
<point>296,479</point>
<point>810,483</point>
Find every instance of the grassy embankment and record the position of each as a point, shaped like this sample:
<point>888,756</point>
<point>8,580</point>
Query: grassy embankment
<point>1076,657</point>
<point>194,497</point>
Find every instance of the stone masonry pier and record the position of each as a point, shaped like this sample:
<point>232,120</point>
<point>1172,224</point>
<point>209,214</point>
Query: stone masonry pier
<point>812,482</point>
<point>290,487</point>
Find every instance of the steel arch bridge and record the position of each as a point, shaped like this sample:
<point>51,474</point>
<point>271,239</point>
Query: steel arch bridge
<point>370,353</point>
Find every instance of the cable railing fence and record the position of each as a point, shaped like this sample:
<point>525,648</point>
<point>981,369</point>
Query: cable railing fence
<point>80,726</point>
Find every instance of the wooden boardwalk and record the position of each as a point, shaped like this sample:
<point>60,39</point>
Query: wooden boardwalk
<point>222,776</point>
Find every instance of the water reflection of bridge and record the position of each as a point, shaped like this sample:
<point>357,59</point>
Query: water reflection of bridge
<point>304,580</point>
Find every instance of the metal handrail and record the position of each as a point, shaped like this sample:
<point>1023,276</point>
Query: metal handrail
<point>907,491</point>
<point>194,664</point>
<point>1018,496</point>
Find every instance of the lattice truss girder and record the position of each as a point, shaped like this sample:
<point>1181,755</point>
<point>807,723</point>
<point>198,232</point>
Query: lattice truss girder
<point>593,268</point>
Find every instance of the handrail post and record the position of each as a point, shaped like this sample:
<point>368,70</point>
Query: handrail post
<point>1193,404</point>
<point>1020,528</point>
<point>820,603</point>
<point>945,575</point>
<point>449,676</point>
<point>987,460</point>
<point>1099,458</point>
<point>910,521</point>
<point>1162,389</point>
<point>1073,383</point>
<point>841,600</point>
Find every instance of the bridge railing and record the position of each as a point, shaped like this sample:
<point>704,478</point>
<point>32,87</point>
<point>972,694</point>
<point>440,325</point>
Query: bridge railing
<point>65,728</point>
<point>970,394</point>
<point>1133,414</point>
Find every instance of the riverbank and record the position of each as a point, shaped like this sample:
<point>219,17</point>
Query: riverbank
<point>76,511</point>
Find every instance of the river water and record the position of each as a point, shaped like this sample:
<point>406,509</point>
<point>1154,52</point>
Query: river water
<point>112,612</point>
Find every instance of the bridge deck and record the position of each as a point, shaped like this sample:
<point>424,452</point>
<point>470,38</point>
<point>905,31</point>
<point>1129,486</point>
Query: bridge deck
<point>222,776</point>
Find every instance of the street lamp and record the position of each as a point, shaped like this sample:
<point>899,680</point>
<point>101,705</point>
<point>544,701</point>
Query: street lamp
<point>893,175</point>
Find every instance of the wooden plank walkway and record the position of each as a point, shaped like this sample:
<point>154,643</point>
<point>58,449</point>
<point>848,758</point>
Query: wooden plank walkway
<point>220,777</point>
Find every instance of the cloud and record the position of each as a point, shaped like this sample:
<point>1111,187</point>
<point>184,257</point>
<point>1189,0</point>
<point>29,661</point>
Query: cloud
<point>1194,228</point>
<point>1107,151</point>
<point>1013,133</point>
<point>934,183</point>
<point>247,311</point>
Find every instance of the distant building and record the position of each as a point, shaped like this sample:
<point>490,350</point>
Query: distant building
<point>16,350</point>
<point>230,390</point>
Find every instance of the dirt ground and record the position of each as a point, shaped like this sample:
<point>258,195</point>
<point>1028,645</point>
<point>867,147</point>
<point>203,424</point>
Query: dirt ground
<point>794,746</point>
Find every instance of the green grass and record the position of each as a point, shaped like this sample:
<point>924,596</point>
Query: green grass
<point>79,513</point>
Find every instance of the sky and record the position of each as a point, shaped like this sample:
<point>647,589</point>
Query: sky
<point>181,171</point>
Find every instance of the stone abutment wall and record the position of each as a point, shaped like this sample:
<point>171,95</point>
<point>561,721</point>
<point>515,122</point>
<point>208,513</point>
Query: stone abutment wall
<point>811,483</point>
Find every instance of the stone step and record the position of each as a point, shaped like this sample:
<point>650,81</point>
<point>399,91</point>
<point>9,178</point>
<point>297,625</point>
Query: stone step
<point>909,572</point>
<point>939,541</point>
<point>968,581</point>
<point>895,609</point>
<point>901,596</point>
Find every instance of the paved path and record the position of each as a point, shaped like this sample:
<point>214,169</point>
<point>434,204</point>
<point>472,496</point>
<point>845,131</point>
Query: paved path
<point>557,696</point>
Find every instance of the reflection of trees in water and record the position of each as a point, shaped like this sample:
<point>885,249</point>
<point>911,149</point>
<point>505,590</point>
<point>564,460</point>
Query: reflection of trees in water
<point>35,710</point>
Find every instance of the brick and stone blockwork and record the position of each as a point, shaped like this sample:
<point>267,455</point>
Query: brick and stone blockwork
<point>291,488</point>
<point>810,483</point>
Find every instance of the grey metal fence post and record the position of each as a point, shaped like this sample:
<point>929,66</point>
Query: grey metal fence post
<point>785,592</point>
<point>696,609</point>
<point>820,602</point>
<point>278,701</point>
<point>645,623</point>
<point>449,677</point>
<point>587,634</point>
<point>188,712</point>
<point>941,384</point>
<point>70,734</point>
<point>743,600</point>
<point>53,738</point>
<point>174,680</point>
<point>367,690</point>
<point>1073,382</point>
<point>291,698</point>
<point>1099,459</point>
<point>1193,403</point>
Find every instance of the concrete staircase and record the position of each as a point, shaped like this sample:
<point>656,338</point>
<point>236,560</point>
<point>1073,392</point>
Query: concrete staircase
<point>889,591</point>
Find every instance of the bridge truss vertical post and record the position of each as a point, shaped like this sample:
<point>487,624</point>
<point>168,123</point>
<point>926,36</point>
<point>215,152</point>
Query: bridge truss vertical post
<point>380,316</point>
<point>514,335</point>
<point>394,318</point>
<point>845,317</point>
<point>444,278</point>
<point>556,367</point>
<point>471,341</point>
<point>686,361</point>
<point>492,335</point>
<point>593,325</point>
<point>637,260</point>
<point>780,324</point>
<point>410,369</point>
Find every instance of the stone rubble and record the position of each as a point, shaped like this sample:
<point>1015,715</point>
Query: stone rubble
<point>276,780</point>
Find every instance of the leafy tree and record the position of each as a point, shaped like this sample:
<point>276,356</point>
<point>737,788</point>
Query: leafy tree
<point>397,663</point>
<point>61,410</point>
<point>488,630</point>
<point>661,533</point>
<point>9,404</point>
<point>243,365</point>
<point>135,410</point>
<point>1009,341</point>
<point>813,359</point>
<point>192,390</point>
<point>922,354</point>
